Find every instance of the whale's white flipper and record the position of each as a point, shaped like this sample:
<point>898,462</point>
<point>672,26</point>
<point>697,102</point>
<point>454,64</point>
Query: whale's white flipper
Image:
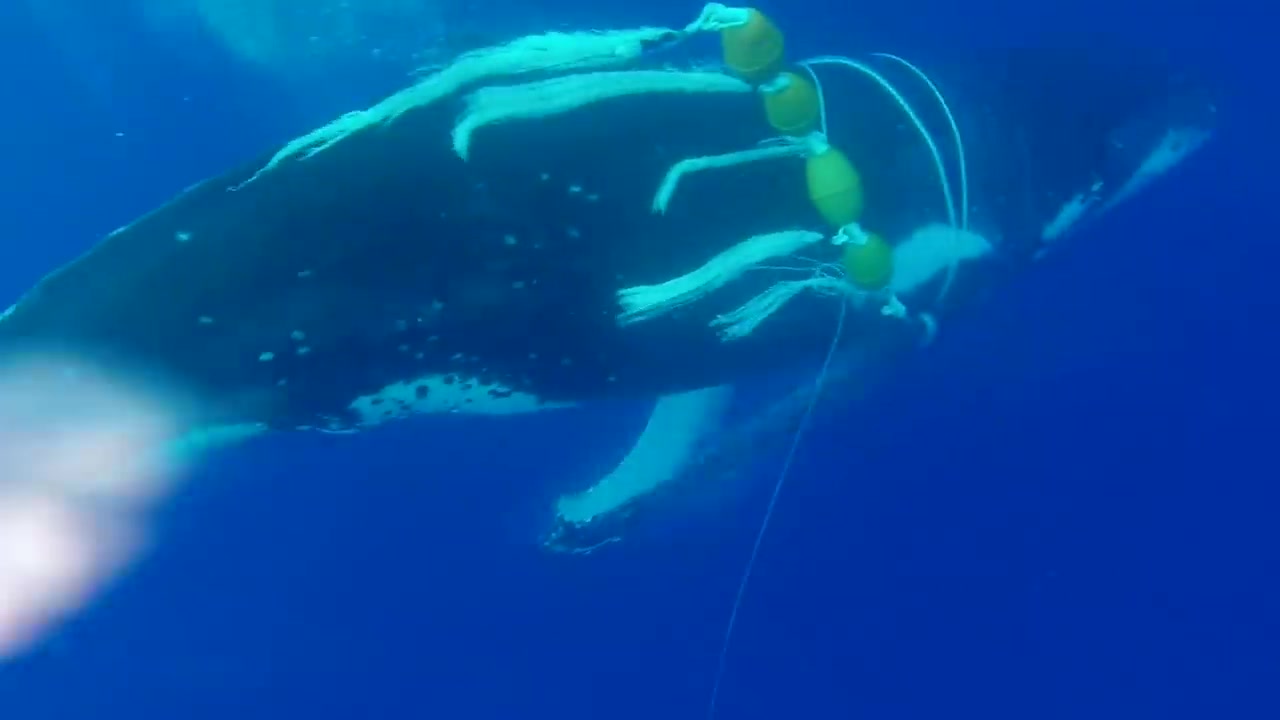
<point>677,425</point>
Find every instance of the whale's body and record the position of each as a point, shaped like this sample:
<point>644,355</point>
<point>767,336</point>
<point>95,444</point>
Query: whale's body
<point>402,267</point>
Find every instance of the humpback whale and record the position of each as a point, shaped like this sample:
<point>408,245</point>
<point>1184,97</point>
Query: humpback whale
<point>578,216</point>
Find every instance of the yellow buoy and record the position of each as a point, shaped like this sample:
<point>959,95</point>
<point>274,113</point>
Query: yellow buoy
<point>754,50</point>
<point>869,264</point>
<point>835,189</point>
<point>793,108</point>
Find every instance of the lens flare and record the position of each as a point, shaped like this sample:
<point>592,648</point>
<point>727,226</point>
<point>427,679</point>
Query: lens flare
<point>81,463</point>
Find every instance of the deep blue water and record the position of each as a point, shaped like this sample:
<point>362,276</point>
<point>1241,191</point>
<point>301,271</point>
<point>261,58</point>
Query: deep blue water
<point>1064,509</point>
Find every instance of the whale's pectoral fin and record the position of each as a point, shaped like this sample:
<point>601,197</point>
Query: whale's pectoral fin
<point>677,426</point>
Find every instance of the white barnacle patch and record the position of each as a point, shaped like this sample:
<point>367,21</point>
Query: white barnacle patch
<point>575,189</point>
<point>204,320</point>
<point>509,240</point>
<point>573,232</point>
<point>298,335</point>
<point>267,357</point>
<point>182,236</point>
<point>443,393</point>
<point>303,350</point>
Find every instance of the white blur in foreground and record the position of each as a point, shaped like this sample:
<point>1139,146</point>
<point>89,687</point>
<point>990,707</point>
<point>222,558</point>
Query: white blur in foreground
<point>81,462</point>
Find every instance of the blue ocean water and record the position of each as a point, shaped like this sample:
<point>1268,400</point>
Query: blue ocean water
<point>1064,509</point>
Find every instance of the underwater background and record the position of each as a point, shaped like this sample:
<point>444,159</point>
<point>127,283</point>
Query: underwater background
<point>1066,508</point>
